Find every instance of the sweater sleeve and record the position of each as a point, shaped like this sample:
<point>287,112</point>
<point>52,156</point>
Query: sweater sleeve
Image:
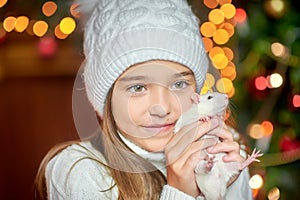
<point>71,175</point>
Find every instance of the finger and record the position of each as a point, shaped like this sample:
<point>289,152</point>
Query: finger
<point>225,147</point>
<point>222,133</point>
<point>180,155</point>
<point>192,132</point>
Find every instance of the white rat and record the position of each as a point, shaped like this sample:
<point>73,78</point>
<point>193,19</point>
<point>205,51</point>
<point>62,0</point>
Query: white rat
<point>212,173</point>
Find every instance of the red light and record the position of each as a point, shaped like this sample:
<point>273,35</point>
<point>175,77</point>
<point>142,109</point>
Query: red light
<point>261,83</point>
<point>296,101</point>
<point>240,15</point>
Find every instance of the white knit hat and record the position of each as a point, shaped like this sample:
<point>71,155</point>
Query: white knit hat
<point>121,33</point>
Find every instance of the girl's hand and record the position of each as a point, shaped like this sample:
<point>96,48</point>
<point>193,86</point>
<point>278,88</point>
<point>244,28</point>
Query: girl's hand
<point>183,153</point>
<point>228,146</point>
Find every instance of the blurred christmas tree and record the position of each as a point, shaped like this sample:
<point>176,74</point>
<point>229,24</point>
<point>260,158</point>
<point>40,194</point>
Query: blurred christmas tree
<point>267,97</point>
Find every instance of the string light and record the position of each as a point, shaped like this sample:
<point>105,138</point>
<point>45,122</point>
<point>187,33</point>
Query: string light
<point>49,8</point>
<point>240,15</point>
<point>21,23</point>
<point>260,83</point>
<point>296,101</point>
<point>2,3</point>
<point>40,28</point>
<point>274,194</point>
<point>275,80</point>
<point>9,23</point>
<point>67,25</point>
<point>256,181</point>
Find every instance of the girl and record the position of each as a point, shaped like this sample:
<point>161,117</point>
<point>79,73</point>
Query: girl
<point>144,60</point>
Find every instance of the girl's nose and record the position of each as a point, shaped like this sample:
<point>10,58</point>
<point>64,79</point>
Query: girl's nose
<point>161,101</point>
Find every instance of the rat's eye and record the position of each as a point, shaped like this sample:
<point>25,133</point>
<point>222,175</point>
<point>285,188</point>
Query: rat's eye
<point>209,97</point>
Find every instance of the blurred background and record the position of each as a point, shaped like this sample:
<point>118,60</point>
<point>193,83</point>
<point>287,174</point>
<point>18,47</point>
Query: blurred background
<point>253,44</point>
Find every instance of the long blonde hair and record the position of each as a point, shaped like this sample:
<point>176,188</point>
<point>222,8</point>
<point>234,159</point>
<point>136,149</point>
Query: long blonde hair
<point>138,179</point>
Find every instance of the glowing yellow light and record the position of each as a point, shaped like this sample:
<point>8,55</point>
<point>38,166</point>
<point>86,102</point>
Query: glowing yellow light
<point>207,29</point>
<point>205,89</point>
<point>277,5</point>
<point>49,8</point>
<point>40,28</point>
<point>221,36</point>
<point>228,52</point>
<point>268,127</point>
<point>73,10</point>
<point>210,80</point>
<point>21,23</point>
<point>256,181</point>
<point>216,16</point>
<point>278,49</point>
<point>231,93</point>
<point>228,71</point>
<point>229,10</point>
<point>67,25</point>
<point>229,28</point>
<point>274,194</point>
<point>9,23</point>
<point>224,85</point>
<point>208,43</point>
<point>59,34</point>
<point>275,80</point>
<point>222,2</point>
<point>214,51</point>
<point>220,61</point>
<point>211,3</point>
<point>2,3</point>
<point>256,131</point>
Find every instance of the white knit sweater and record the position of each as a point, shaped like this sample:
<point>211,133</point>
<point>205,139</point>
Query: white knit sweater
<point>87,179</point>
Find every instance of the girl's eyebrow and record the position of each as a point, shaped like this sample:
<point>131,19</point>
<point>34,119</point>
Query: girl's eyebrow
<point>138,78</point>
<point>133,78</point>
<point>181,74</point>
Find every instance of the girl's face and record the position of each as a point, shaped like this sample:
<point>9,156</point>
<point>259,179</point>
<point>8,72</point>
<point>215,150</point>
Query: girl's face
<point>147,100</point>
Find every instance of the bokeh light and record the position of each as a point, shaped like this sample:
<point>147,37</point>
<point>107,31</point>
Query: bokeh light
<point>224,85</point>
<point>296,101</point>
<point>220,61</point>
<point>268,127</point>
<point>275,80</point>
<point>216,16</point>
<point>211,3</point>
<point>67,25</point>
<point>256,181</point>
<point>208,43</point>
<point>40,28</point>
<point>207,29</point>
<point>9,23</point>
<point>221,36</point>
<point>21,23</point>
<point>256,131</point>
<point>47,46</point>
<point>240,15</point>
<point>229,10</point>
<point>59,34</point>
<point>274,194</point>
<point>210,80</point>
<point>278,49</point>
<point>73,10</point>
<point>2,3</point>
<point>49,8</point>
<point>260,83</point>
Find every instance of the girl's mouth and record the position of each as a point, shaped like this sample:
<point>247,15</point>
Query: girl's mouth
<point>159,128</point>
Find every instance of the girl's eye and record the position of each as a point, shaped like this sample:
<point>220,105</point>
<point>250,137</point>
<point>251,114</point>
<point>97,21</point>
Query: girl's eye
<point>137,89</point>
<point>180,85</point>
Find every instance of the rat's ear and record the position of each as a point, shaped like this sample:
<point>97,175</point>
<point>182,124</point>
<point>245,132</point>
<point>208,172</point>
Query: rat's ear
<point>195,98</point>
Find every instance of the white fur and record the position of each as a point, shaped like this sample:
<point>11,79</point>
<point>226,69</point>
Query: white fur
<point>86,7</point>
